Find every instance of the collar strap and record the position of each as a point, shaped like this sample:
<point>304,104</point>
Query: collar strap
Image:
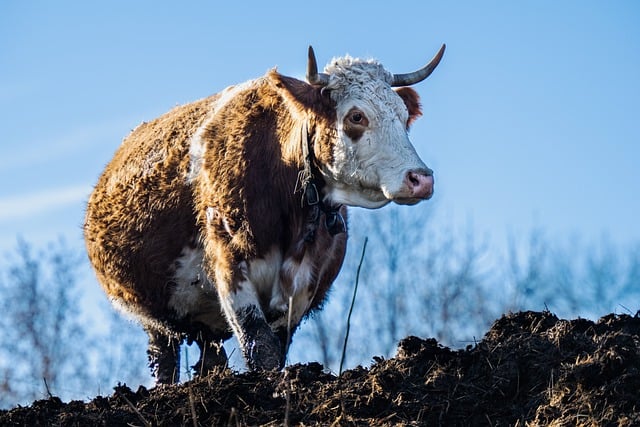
<point>311,184</point>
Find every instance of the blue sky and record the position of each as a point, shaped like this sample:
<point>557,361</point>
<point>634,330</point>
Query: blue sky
<point>531,119</point>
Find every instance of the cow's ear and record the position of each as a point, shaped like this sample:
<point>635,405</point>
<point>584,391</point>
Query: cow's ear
<point>412,101</point>
<point>312,97</point>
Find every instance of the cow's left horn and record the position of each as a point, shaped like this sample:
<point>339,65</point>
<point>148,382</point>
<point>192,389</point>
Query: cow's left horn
<point>418,76</point>
<point>313,77</point>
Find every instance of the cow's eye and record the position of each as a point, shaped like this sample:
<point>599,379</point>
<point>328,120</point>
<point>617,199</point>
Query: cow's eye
<point>357,117</point>
<point>355,124</point>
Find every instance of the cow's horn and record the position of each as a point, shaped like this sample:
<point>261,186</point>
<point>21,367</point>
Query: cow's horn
<point>418,76</point>
<point>313,77</point>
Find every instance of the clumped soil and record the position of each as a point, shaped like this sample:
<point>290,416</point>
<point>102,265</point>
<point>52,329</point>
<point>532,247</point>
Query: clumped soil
<point>529,369</point>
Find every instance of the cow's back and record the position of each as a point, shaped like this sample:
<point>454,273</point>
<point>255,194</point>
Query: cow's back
<point>140,215</point>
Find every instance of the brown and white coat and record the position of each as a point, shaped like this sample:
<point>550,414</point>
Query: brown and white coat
<point>202,224</point>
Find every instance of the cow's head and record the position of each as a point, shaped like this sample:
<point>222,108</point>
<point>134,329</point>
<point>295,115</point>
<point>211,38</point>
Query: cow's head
<point>373,161</point>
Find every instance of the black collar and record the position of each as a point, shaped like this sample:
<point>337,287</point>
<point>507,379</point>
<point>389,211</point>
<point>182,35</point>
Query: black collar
<point>311,185</point>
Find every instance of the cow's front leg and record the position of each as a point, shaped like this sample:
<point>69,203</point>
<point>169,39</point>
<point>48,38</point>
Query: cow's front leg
<point>261,347</point>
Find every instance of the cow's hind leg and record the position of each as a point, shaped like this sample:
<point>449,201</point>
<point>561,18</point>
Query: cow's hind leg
<point>212,356</point>
<point>164,356</point>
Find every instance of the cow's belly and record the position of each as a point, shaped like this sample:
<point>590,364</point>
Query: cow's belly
<point>284,287</point>
<point>194,298</point>
<point>288,287</point>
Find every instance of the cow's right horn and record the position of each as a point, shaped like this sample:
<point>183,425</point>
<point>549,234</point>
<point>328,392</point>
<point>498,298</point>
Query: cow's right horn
<point>313,77</point>
<point>418,76</point>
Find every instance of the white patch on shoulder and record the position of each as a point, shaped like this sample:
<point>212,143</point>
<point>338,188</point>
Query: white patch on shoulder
<point>197,145</point>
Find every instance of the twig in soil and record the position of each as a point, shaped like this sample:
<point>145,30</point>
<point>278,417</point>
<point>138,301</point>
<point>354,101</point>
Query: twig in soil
<point>46,386</point>
<point>132,406</point>
<point>233,416</point>
<point>192,406</point>
<point>286,347</point>
<point>353,302</point>
<point>626,308</point>
<point>287,396</point>
<point>203,354</point>
<point>286,379</point>
<point>187,365</point>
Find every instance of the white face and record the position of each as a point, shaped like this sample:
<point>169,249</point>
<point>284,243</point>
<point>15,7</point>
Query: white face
<point>374,160</point>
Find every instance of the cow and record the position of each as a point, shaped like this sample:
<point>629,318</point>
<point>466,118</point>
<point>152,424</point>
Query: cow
<point>228,215</point>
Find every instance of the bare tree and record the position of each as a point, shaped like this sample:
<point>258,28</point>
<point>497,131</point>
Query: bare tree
<point>324,338</point>
<point>630,289</point>
<point>572,279</point>
<point>122,356</point>
<point>542,275</point>
<point>416,280</point>
<point>43,336</point>
<point>526,268</point>
<point>390,270</point>
<point>462,295</point>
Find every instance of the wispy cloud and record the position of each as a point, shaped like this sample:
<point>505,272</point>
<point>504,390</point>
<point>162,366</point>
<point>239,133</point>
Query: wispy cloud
<point>81,138</point>
<point>32,204</point>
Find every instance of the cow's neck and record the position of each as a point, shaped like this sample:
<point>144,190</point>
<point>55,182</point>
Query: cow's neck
<point>310,184</point>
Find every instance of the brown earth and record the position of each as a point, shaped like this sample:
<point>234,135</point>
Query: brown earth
<point>530,369</point>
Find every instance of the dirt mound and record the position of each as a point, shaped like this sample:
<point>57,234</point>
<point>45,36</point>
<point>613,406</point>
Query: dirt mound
<point>530,369</point>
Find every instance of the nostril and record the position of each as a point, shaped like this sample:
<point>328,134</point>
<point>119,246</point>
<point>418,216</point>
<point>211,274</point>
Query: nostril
<point>419,177</point>
<point>419,183</point>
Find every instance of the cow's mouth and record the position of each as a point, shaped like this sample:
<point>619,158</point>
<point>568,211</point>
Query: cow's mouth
<point>408,201</point>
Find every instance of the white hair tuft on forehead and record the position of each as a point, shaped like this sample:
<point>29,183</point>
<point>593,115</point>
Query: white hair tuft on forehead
<point>348,71</point>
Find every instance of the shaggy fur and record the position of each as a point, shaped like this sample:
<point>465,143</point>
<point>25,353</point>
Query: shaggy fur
<point>197,225</point>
